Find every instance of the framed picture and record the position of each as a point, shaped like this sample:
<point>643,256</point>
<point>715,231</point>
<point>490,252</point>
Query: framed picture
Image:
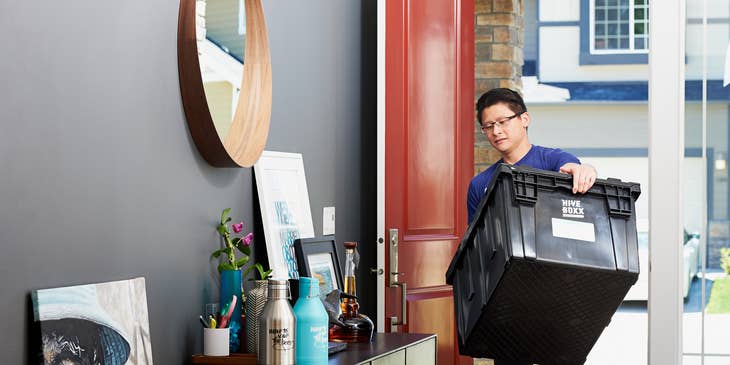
<point>104,323</point>
<point>317,258</point>
<point>285,212</point>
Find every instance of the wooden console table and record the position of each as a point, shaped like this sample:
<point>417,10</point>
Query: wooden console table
<point>386,349</point>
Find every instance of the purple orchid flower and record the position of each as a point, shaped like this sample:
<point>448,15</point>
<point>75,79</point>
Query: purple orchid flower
<point>248,239</point>
<point>237,227</point>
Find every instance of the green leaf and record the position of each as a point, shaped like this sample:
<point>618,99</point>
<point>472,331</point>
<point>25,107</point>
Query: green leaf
<point>225,266</point>
<point>222,229</point>
<point>265,274</point>
<point>228,219</point>
<point>243,248</point>
<point>224,215</point>
<point>242,261</point>
<point>248,270</point>
<point>217,253</point>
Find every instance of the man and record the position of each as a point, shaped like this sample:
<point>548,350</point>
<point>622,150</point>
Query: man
<point>504,120</point>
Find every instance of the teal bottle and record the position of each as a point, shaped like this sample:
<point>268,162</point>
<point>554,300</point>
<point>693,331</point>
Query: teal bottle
<point>312,324</point>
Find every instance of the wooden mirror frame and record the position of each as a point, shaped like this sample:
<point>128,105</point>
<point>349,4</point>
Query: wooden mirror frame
<point>249,130</point>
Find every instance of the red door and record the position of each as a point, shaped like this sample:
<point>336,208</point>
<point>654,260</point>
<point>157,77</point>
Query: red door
<point>429,139</point>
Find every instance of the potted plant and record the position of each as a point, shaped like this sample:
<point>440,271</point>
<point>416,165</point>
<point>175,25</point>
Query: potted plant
<point>232,271</point>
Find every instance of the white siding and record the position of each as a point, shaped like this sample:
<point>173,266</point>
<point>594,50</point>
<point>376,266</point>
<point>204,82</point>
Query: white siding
<point>636,169</point>
<point>589,125</point>
<point>221,20</point>
<point>717,126</point>
<point>717,40</point>
<point>619,125</point>
<point>219,96</point>
<point>715,8</point>
<point>559,10</point>
<point>559,60</point>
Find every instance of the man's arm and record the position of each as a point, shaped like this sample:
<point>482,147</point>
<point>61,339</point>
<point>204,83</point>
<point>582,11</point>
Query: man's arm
<point>472,201</point>
<point>583,176</point>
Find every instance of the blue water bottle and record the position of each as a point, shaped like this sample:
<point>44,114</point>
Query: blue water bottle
<point>312,323</point>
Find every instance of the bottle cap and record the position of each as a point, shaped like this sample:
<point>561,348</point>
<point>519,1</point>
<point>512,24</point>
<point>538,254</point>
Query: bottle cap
<point>278,289</point>
<point>308,287</point>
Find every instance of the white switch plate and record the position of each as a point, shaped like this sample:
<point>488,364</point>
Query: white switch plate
<point>328,221</point>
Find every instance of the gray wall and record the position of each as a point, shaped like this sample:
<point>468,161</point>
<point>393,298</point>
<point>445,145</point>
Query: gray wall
<point>99,178</point>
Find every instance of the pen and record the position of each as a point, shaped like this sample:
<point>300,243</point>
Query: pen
<point>212,321</point>
<point>205,324</point>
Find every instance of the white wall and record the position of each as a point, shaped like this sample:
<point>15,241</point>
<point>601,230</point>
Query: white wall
<point>589,125</point>
<point>219,96</point>
<point>717,42</point>
<point>636,169</point>
<point>560,55</point>
<point>717,126</point>
<point>559,10</point>
<point>715,8</point>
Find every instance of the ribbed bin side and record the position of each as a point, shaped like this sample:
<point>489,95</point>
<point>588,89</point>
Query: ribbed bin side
<point>547,313</point>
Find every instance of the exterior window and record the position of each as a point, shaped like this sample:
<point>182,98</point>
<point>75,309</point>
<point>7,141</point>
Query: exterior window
<point>619,26</point>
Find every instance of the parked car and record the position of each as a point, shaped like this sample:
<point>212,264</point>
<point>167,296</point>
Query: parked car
<point>691,249</point>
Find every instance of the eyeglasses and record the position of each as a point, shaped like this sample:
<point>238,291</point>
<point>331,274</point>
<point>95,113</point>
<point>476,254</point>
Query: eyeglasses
<point>489,127</point>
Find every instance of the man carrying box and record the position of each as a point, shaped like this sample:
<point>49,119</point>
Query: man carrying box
<point>504,120</point>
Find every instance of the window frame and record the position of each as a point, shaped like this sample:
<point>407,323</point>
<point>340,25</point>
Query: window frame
<point>589,56</point>
<point>632,35</point>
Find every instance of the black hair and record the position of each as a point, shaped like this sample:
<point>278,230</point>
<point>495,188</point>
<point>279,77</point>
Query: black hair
<point>500,95</point>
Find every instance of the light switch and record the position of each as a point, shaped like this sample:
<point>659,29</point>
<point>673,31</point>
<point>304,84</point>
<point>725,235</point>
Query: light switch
<point>328,221</point>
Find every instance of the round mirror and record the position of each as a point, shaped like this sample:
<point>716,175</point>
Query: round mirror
<point>227,101</point>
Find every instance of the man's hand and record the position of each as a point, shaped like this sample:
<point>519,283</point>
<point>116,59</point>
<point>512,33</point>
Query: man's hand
<point>583,176</point>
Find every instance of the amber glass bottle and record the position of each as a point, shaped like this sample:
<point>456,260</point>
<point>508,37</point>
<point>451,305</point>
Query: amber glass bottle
<point>358,327</point>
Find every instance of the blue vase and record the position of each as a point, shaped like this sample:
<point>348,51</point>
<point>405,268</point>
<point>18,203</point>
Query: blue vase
<point>312,324</point>
<point>230,286</point>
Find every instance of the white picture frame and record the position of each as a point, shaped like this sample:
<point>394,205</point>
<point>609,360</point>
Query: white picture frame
<point>285,210</point>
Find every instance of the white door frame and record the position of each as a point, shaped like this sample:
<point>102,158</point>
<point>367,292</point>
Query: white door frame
<point>666,153</point>
<point>381,167</point>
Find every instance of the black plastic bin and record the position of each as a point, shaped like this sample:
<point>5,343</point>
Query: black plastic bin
<point>540,270</point>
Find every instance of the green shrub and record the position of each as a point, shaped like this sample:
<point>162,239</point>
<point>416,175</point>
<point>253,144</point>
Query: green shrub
<point>725,259</point>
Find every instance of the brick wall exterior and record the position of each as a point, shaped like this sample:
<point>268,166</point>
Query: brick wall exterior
<point>499,39</point>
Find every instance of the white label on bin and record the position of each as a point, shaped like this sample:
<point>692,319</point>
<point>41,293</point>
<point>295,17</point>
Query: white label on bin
<point>574,230</point>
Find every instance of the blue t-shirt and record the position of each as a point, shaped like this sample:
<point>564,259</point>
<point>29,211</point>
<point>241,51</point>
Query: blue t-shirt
<point>538,157</point>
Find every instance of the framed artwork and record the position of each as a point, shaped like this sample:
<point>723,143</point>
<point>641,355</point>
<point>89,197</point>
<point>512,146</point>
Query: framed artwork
<point>285,212</point>
<point>104,323</point>
<point>317,258</point>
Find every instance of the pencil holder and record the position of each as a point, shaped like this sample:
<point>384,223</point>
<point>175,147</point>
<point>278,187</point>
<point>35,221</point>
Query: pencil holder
<point>215,341</point>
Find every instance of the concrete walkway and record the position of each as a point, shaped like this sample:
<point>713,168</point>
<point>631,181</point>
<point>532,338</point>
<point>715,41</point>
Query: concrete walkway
<point>625,340</point>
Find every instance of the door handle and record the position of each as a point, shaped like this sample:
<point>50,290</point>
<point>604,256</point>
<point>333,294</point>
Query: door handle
<point>393,232</point>
<point>404,313</point>
<point>394,283</point>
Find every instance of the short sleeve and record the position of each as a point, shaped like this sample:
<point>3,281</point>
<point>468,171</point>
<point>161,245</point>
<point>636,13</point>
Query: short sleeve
<point>557,158</point>
<point>472,200</point>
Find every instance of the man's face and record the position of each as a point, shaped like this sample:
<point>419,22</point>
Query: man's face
<point>507,131</point>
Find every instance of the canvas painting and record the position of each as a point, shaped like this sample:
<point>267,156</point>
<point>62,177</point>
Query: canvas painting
<point>95,324</point>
